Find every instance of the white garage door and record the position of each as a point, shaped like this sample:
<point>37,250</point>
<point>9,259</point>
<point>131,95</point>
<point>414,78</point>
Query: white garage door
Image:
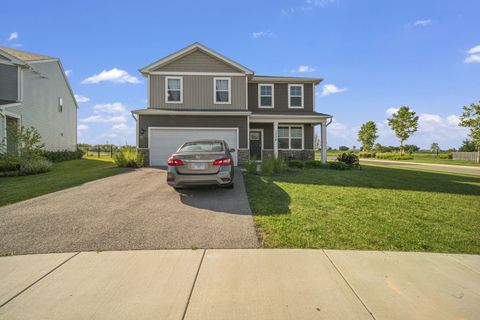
<point>165,141</point>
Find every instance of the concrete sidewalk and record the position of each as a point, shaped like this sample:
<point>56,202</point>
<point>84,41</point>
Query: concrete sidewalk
<point>240,284</point>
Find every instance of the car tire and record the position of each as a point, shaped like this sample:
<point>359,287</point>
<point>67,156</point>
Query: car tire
<point>228,186</point>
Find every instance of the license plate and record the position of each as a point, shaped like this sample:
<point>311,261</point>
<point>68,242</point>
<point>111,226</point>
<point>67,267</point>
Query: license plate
<point>198,166</point>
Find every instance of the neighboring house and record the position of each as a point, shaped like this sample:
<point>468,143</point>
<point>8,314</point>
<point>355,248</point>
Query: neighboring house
<point>34,92</point>
<point>197,93</point>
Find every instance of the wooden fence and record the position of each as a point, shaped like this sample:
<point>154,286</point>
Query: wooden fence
<point>470,156</point>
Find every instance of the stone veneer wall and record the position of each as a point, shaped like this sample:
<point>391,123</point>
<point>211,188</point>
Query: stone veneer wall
<point>267,154</point>
<point>243,156</point>
<point>146,155</point>
<point>296,154</point>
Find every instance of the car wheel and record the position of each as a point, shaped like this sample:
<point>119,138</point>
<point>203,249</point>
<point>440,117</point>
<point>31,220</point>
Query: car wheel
<point>229,186</point>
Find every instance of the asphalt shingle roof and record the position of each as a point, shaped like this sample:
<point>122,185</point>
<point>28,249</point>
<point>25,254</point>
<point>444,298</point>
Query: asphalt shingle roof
<point>24,55</point>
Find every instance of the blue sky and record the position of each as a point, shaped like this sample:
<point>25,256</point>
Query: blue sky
<point>374,55</point>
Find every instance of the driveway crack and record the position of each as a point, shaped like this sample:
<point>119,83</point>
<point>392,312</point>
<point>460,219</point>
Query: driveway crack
<point>39,279</point>
<point>193,285</point>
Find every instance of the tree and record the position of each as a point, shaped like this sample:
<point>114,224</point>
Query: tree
<point>467,146</point>
<point>404,123</point>
<point>367,135</point>
<point>435,148</point>
<point>470,118</point>
<point>343,148</point>
<point>378,147</point>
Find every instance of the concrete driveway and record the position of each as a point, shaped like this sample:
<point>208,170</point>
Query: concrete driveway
<point>135,210</point>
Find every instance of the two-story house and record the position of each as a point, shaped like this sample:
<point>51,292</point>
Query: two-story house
<point>197,93</point>
<point>34,92</point>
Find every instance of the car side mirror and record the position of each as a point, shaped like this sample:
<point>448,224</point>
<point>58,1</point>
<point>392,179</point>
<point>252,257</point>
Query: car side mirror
<point>232,150</point>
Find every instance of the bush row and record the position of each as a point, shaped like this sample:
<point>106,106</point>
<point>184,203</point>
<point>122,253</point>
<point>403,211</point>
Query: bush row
<point>393,156</point>
<point>63,155</point>
<point>128,157</point>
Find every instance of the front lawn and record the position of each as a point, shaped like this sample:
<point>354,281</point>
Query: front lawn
<point>63,175</point>
<point>376,208</point>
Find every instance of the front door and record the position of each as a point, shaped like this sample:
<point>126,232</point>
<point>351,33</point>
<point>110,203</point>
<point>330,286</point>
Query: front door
<point>255,145</point>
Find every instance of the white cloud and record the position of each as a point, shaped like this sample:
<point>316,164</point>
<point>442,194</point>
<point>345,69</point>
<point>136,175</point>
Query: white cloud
<point>391,111</point>
<point>99,118</point>
<point>13,36</point>
<point>474,50</point>
<point>453,120</point>
<point>81,98</point>
<point>262,34</point>
<point>304,69</point>
<point>473,58</point>
<point>116,107</point>
<point>82,127</point>
<point>422,23</point>
<point>329,89</point>
<point>68,72</point>
<point>317,3</point>
<point>119,126</point>
<point>473,55</point>
<point>114,75</point>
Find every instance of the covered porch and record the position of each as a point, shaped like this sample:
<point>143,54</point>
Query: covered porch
<point>288,137</point>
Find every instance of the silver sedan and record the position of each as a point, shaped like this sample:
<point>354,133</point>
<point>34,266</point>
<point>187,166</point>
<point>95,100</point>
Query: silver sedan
<point>201,162</point>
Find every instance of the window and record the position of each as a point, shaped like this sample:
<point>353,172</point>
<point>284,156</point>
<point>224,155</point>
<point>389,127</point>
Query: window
<point>265,95</point>
<point>221,88</point>
<point>290,137</point>
<point>202,146</point>
<point>60,105</point>
<point>295,95</point>
<point>173,89</point>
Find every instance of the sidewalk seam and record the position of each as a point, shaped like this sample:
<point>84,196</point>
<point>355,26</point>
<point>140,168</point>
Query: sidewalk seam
<point>39,279</point>
<point>193,285</point>
<point>349,285</point>
<point>461,263</point>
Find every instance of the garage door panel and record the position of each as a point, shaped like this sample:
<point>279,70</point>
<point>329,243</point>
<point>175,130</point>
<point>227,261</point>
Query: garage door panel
<point>165,141</point>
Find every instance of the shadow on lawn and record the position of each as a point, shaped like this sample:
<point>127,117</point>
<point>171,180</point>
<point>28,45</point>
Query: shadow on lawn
<point>388,178</point>
<point>266,197</point>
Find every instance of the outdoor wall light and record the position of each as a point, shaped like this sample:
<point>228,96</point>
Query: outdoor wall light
<point>142,131</point>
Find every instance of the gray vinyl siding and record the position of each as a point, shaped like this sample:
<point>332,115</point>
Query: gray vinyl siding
<point>280,95</point>
<point>42,87</point>
<point>8,82</point>
<point>268,134</point>
<point>197,93</point>
<point>197,61</point>
<point>240,122</point>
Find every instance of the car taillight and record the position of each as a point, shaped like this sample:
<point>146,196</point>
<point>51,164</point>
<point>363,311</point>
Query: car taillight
<point>174,162</point>
<point>223,162</point>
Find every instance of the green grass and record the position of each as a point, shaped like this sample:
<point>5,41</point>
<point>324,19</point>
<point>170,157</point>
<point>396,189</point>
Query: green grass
<point>63,175</point>
<point>420,157</point>
<point>376,208</point>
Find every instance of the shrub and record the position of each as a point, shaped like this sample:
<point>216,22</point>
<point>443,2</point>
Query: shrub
<point>316,164</point>
<point>366,154</point>
<point>266,167</point>
<point>271,166</point>
<point>446,156</point>
<point>63,155</point>
<point>393,156</point>
<point>251,167</point>
<point>338,165</point>
<point>35,165</point>
<point>128,157</point>
<point>350,159</point>
<point>9,162</point>
<point>295,164</point>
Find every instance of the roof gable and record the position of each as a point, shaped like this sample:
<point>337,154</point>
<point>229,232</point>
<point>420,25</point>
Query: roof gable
<point>193,57</point>
<point>24,55</point>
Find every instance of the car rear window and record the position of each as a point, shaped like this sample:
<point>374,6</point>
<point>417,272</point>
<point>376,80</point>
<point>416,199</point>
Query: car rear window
<point>202,146</point>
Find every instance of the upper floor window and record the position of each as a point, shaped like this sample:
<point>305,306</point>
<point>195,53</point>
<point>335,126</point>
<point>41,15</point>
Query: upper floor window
<point>222,90</point>
<point>173,89</point>
<point>265,95</point>
<point>60,104</point>
<point>295,95</point>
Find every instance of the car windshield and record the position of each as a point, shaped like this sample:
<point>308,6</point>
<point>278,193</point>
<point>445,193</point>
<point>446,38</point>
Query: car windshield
<point>202,146</point>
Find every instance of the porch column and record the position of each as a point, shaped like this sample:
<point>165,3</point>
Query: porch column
<point>323,138</point>
<point>275,139</point>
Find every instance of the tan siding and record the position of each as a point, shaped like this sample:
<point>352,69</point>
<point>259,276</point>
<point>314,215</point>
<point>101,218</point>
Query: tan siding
<point>197,61</point>
<point>197,93</point>
<point>280,99</point>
